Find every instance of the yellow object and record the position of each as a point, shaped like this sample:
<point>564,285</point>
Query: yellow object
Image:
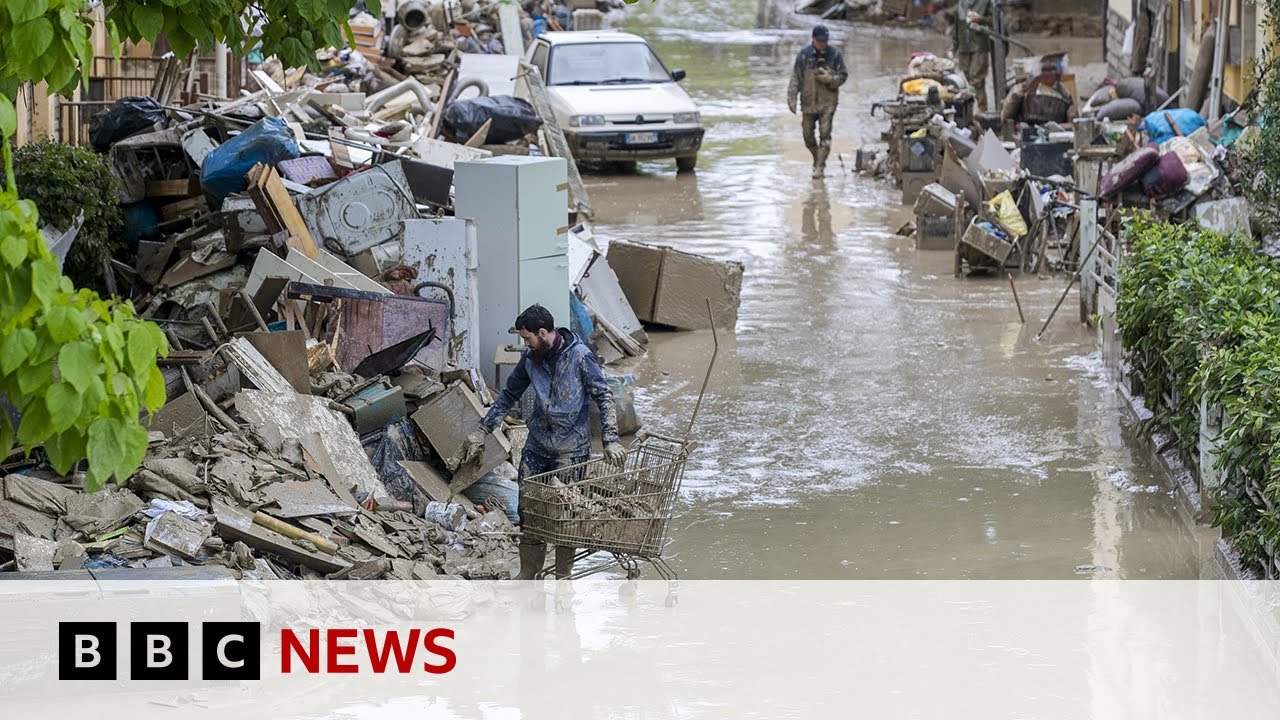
<point>919,133</point>
<point>920,86</point>
<point>1006,213</point>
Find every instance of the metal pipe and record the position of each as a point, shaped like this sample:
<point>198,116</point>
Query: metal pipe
<point>1067,289</point>
<point>715,338</point>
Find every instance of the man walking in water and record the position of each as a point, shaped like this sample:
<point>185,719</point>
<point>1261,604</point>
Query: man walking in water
<point>816,79</point>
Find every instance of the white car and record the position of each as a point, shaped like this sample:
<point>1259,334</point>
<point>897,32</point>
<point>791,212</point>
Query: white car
<point>615,100</point>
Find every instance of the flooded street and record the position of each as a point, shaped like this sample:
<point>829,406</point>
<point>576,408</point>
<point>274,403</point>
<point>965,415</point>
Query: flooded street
<point>872,417</point>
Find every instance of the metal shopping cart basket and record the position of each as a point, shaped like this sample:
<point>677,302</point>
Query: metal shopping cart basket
<point>598,507</point>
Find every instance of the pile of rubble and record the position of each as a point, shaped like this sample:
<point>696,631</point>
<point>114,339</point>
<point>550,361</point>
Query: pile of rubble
<point>311,251</point>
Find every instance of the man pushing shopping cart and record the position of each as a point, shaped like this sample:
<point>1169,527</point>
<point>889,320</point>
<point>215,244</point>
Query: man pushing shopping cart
<point>564,376</point>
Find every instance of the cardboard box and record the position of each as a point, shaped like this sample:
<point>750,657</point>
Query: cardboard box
<point>670,287</point>
<point>637,267</point>
<point>684,286</point>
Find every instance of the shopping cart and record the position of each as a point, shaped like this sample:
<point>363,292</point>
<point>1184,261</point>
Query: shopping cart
<point>598,507</point>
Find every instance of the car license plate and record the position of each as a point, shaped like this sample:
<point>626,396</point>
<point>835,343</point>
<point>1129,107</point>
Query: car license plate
<point>644,138</point>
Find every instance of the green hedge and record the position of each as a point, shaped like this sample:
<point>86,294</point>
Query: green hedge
<point>1198,314</point>
<point>62,180</point>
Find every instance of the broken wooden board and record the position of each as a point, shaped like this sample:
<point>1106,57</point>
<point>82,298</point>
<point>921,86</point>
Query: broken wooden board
<point>305,498</point>
<point>316,456</point>
<point>183,417</point>
<point>286,350</point>
<point>255,368</point>
<point>277,208</point>
<point>236,524</point>
<point>446,421</point>
<point>372,322</point>
<point>432,483</point>
<point>290,417</point>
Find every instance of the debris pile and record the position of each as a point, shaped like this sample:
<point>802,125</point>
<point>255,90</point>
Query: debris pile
<point>312,253</point>
<point>1039,195</point>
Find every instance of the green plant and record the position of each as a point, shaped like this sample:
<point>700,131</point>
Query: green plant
<point>1199,313</point>
<point>77,368</point>
<point>49,40</point>
<point>63,181</point>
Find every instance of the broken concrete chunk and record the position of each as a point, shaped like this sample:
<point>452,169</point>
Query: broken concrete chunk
<point>173,534</point>
<point>281,417</point>
<point>33,554</point>
<point>96,513</point>
<point>40,495</point>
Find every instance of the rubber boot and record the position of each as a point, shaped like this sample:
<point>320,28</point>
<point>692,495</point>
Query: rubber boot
<point>532,557</point>
<point>820,161</point>
<point>564,561</point>
<point>813,153</point>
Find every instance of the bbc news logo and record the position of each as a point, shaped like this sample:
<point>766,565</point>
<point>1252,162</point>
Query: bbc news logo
<point>232,651</point>
<point>160,651</point>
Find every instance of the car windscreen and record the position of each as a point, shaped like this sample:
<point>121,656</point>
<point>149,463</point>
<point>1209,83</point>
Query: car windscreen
<point>605,64</point>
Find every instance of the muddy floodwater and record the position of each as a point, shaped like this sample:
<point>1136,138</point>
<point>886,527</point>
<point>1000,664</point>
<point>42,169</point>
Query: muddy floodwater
<point>872,416</point>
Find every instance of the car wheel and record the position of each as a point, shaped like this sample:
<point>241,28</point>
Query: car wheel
<point>686,164</point>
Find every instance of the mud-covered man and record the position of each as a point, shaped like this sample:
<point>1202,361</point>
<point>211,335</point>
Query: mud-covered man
<point>816,79</point>
<point>565,377</point>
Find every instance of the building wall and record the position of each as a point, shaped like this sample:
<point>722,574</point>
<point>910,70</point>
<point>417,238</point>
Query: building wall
<point>1119,15</point>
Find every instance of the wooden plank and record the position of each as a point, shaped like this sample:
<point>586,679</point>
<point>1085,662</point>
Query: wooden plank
<point>480,135</point>
<point>168,188</point>
<point>236,524</point>
<point>438,120</point>
<point>277,209</point>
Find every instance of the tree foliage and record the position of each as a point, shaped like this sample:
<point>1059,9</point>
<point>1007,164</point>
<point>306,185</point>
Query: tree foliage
<point>77,368</point>
<point>50,40</point>
<point>44,172</point>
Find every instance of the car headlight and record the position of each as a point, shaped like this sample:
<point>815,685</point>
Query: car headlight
<point>686,118</point>
<point>584,120</point>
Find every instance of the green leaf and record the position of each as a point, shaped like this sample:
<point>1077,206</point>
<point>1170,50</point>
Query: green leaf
<point>148,20</point>
<point>14,348</point>
<point>8,117</point>
<point>6,435</point>
<point>14,250</point>
<point>155,394</point>
<point>64,323</point>
<point>105,450</point>
<point>133,441</point>
<point>32,38</point>
<point>78,364</point>
<point>35,426</point>
<point>25,10</point>
<point>65,449</point>
<point>63,402</point>
<point>46,280</point>
<point>33,377</point>
<point>142,349</point>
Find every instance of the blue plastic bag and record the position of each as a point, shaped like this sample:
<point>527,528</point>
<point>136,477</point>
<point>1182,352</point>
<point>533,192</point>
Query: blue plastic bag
<point>268,141</point>
<point>1157,125</point>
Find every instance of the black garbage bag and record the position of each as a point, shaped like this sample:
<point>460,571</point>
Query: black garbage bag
<point>126,117</point>
<point>513,118</point>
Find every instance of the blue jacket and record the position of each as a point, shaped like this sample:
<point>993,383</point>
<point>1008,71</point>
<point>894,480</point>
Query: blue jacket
<point>562,384</point>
